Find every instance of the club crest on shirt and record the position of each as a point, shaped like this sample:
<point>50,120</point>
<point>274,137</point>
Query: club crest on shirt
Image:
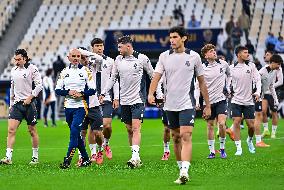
<point>80,75</point>
<point>248,71</point>
<point>24,75</point>
<point>187,63</point>
<point>135,65</point>
<point>221,70</point>
<point>66,76</point>
<point>104,66</point>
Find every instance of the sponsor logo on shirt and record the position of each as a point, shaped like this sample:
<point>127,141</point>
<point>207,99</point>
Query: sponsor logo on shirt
<point>24,75</point>
<point>135,65</point>
<point>221,70</point>
<point>104,66</point>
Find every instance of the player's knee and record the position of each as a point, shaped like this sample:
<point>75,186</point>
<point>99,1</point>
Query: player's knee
<point>222,124</point>
<point>176,138</point>
<point>186,136</point>
<point>32,131</point>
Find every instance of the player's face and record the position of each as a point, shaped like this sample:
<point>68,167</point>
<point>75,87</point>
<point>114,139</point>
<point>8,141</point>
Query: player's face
<point>176,41</point>
<point>211,54</point>
<point>74,57</point>
<point>123,49</point>
<point>19,60</point>
<point>84,60</point>
<point>267,56</point>
<point>244,55</point>
<point>274,66</point>
<point>98,48</point>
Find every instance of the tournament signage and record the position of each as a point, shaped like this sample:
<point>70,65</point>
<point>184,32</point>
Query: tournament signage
<point>158,40</point>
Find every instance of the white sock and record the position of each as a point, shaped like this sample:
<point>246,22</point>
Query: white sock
<point>179,163</point>
<point>257,138</point>
<point>222,142</point>
<point>135,152</point>
<point>211,144</point>
<point>249,139</point>
<point>93,148</point>
<point>79,154</point>
<point>105,141</point>
<point>274,128</point>
<point>238,144</point>
<point>265,126</point>
<point>35,152</point>
<point>100,148</point>
<point>185,166</point>
<point>9,153</point>
<point>167,147</point>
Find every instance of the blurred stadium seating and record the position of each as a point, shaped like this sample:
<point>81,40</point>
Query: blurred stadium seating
<point>61,24</point>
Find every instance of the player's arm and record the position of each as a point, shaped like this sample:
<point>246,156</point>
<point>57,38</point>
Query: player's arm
<point>198,69</point>
<point>159,70</point>
<point>279,76</point>
<point>147,66</point>
<point>111,81</point>
<point>12,93</point>
<point>197,94</point>
<point>60,87</point>
<point>273,93</point>
<point>227,89</point>
<point>36,78</point>
<point>257,82</point>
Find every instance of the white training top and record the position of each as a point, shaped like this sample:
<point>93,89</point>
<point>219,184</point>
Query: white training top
<point>179,70</point>
<point>25,81</point>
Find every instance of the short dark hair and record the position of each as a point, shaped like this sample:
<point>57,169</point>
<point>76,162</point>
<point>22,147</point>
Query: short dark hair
<point>180,30</point>
<point>275,58</point>
<point>124,40</point>
<point>239,49</point>
<point>23,53</point>
<point>96,41</point>
<point>269,51</point>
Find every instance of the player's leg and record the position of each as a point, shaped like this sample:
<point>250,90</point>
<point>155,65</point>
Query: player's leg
<point>45,112</point>
<point>221,112</point>
<point>78,119</point>
<point>31,118</point>
<point>92,144</point>
<point>265,119</point>
<point>83,132</point>
<point>13,125</point>
<point>248,112</point>
<point>52,105</point>
<point>126,118</point>
<point>257,123</point>
<point>107,131</point>
<point>274,116</point>
<point>210,138</point>
<point>166,136</point>
<point>237,118</point>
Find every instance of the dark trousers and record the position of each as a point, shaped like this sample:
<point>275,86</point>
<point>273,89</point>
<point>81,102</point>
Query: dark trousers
<point>75,118</point>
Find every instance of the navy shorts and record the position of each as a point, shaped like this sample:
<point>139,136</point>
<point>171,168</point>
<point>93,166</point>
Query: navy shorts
<point>181,118</point>
<point>258,106</point>
<point>217,109</point>
<point>107,109</point>
<point>239,110</point>
<point>270,101</point>
<point>28,112</point>
<point>165,117</point>
<point>129,112</point>
<point>94,119</point>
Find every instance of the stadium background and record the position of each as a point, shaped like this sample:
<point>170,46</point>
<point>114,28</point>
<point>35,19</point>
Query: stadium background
<point>49,28</point>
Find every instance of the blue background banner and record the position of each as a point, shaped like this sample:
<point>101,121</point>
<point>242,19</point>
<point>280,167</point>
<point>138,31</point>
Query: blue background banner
<point>158,40</point>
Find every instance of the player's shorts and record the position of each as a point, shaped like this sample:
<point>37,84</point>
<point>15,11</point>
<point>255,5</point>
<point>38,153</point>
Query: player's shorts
<point>181,118</point>
<point>218,108</point>
<point>94,119</point>
<point>270,101</point>
<point>239,110</point>
<point>164,117</point>
<point>28,112</point>
<point>107,109</point>
<point>258,106</point>
<point>129,112</point>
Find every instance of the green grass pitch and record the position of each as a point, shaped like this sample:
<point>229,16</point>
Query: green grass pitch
<point>263,170</point>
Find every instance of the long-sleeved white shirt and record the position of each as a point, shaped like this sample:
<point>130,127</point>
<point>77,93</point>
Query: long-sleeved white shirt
<point>25,81</point>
